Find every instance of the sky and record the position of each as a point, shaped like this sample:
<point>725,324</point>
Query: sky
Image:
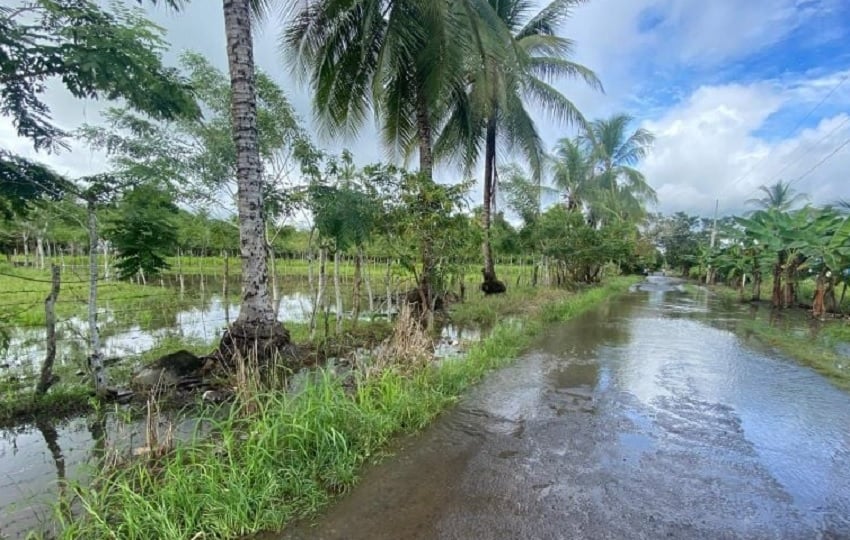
<point>739,93</point>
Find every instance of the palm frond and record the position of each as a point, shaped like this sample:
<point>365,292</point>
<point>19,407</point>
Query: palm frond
<point>549,18</point>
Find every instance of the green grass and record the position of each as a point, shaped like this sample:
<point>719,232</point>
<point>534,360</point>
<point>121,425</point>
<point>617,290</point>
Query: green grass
<point>516,302</point>
<point>815,348</point>
<point>296,452</point>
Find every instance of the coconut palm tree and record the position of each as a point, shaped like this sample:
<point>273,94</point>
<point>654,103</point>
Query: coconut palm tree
<point>572,173</point>
<point>779,196</point>
<point>256,327</point>
<point>399,58</point>
<point>257,316</point>
<point>490,107</point>
<point>614,155</point>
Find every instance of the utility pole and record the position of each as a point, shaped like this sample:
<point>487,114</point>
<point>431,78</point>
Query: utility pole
<point>709,272</point>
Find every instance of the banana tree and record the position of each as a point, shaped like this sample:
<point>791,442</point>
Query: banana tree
<point>825,245</point>
<point>732,263</point>
<point>770,230</point>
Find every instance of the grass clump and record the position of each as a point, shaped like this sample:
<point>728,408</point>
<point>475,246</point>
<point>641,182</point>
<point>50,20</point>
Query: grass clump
<point>294,451</point>
<point>516,302</point>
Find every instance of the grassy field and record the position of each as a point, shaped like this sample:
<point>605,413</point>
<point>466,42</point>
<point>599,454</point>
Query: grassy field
<point>24,289</point>
<point>294,452</point>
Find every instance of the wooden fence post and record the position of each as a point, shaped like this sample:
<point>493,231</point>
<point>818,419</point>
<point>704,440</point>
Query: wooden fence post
<point>47,379</point>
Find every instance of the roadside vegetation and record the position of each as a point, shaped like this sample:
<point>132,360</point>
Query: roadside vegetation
<point>785,255</point>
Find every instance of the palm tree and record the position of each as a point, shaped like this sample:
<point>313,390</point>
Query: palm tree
<point>257,320</point>
<point>572,173</point>
<point>779,196</point>
<point>256,327</point>
<point>398,57</point>
<point>614,154</point>
<point>492,100</point>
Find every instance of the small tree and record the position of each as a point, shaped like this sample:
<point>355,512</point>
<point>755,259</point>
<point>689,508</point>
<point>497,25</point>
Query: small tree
<point>142,229</point>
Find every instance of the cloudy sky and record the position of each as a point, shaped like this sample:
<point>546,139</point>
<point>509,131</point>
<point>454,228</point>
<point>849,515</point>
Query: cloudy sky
<point>738,93</point>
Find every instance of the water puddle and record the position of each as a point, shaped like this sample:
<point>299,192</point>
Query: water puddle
<point>39,462</point>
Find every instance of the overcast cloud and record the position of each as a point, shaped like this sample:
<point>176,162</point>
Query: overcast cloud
<point>738,93</point>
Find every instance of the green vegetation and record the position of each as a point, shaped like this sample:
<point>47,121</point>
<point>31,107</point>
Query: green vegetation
<point>62,401</point>
<point>294,452</point>
<point>800,255</point>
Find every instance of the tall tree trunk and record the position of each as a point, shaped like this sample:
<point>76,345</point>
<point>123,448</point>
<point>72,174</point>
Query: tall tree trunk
<point>367,280</point>
<point>426,166</point>
<point>105,260</point>
<point>225,288</point>
<point>337,292</point>
<point>39,251</point>
<point>180,273</point>
<point>388,283</point>
<point>26,238</point>
<point>486,218</point>
<point>320,292</point>
<point>256,327</point>
<point>358,280</point>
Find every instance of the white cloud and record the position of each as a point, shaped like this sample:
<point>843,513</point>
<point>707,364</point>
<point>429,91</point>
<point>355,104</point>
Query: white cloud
<point>707,149</point>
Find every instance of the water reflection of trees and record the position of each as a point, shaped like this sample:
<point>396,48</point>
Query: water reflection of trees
<point>51,438</point>
<point>602,326</point>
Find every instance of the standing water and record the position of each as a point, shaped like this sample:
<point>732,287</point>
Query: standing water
<point>645,418</point>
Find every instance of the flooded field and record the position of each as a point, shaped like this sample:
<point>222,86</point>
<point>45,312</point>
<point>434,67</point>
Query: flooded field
<point>38,462</point>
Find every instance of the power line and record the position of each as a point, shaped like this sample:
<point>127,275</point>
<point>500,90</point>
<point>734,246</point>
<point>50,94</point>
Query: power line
<point>795,128</point>
<point>821,162</point>
<point>822,139</point>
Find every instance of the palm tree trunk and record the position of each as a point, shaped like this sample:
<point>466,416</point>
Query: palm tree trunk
<point>256,325</point>
<point>486,218</point>
<point>426,166</point>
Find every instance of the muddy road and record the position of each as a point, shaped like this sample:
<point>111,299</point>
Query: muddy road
<point>645,418</point>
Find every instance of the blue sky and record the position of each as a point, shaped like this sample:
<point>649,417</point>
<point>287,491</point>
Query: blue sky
<point>738,92</point>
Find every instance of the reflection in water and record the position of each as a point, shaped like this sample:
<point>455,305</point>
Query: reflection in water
<point>39,462</point>
<point>51,439</point>
<point>130,329</point>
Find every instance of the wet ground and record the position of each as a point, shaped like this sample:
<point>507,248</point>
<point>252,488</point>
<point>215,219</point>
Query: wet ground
<point>645,418</point>
<point>40,461</point>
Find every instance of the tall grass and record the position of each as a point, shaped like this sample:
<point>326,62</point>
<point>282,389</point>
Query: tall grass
<point>294,451</point>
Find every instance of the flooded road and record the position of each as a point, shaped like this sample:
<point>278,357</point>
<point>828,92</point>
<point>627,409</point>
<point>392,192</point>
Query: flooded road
<point>645,418</point>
